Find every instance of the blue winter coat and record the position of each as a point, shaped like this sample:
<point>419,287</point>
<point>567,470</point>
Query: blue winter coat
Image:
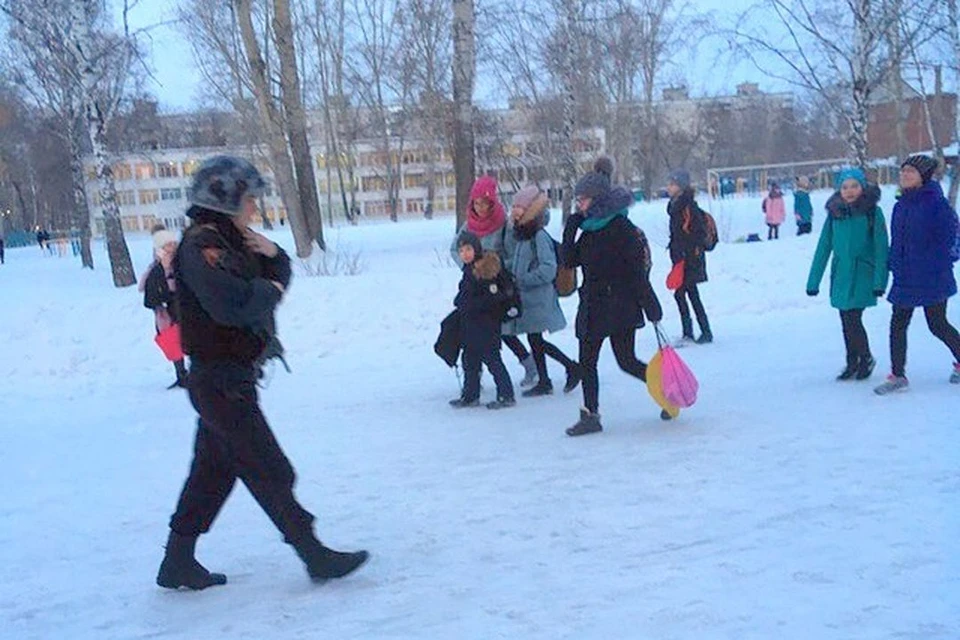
<point>923,229</point>
<point>533,263</point>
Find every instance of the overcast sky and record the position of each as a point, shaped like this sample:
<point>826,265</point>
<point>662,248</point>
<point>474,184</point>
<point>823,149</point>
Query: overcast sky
<point>178,82</point>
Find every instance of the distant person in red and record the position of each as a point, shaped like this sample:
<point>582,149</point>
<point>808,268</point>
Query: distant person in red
<point>158,292</point>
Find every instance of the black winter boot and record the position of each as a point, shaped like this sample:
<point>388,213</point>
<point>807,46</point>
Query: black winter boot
<point>851,370</point>
<point>865,368</point>
<point>573,379</point>
<point>687,324</point>
<point>180,569</point>
<point>589,423</point>
<point>326,564</point>
<point>542,389</point>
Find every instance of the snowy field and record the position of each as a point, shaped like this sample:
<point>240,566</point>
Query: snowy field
<point>784,505</point>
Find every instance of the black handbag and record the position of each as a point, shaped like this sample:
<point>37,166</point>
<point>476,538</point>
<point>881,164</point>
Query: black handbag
<point>448,342</point>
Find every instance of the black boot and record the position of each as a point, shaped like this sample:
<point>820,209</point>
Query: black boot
<point>687,323</point>
<point>573,379</point>
<point>865,368</point>
<point>180,569</point>
<point>589,423</point>
<point>325,564</point>
<point>543,388</point>
<point>181,382</point>
<point>851,370</point>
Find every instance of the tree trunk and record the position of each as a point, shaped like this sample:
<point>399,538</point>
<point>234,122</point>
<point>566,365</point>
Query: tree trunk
<point>464,72</point>
<point>296,121</point>
<point>276,141</point>
<point>954,27</point>
<point>120,265</point>
<point>859,145</point>
<point>81,212</point>
<point>568,159</point>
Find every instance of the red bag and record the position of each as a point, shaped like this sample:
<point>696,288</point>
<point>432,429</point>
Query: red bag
<point>169,342</point>
<point>675,277</point>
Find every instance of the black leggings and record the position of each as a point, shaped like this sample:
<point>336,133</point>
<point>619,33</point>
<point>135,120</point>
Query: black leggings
<point>623,349</point>
<point>774,232</point>
<point>936,321</point>
<point>854,335</point>
<point>513,343</point>
<point>691,291</point>
<point>541,349</point>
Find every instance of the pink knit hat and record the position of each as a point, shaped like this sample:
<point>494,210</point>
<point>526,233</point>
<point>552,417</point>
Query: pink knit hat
<point>526,196</point>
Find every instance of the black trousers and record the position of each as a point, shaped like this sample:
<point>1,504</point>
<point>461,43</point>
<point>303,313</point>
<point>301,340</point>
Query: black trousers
<point>472,360</point>
<point>854,336</point>
<point>541,349</point>
<point>773,232</point>
<point>516,346</point>
<point>234,441</point>
<point>804,228</point>
<point>936,322</point>
<point>693,293</point>
<point>624,345</point>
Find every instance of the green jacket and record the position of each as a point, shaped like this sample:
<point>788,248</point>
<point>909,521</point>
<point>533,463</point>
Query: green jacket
<point>802,206</point>
<point>859,265</point>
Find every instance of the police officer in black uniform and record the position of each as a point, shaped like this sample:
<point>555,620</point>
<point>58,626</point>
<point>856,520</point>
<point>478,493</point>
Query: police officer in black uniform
<point>229,281</point>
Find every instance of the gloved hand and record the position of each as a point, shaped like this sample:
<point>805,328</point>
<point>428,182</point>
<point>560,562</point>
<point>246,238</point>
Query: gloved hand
<point>812,293</point>
<point>575,220</point>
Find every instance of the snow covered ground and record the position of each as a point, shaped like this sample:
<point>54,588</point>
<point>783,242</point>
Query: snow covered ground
<point>783,505</point>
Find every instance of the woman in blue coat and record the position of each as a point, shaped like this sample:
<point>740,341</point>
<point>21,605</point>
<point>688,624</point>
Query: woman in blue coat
<point>924,230</point>
<point>531,255</point>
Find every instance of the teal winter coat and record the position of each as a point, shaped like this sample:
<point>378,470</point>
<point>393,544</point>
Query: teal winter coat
<point>533,263</point>
<point>856,236</point>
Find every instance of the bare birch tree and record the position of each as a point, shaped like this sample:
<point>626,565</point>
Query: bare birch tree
<point>464,74</point>
<point>822,45</point>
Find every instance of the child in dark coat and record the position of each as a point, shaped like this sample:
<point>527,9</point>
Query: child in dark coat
<point>481,301</point>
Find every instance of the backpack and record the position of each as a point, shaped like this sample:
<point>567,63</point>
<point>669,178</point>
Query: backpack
<point>645,253</point>
<point>710,237</point>
<point>561,281</point>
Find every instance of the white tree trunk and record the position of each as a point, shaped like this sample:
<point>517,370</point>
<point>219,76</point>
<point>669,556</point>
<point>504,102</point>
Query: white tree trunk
<point>954,16</point>
<point>120,264</point>
<point>860,116</point>
<point>464,72</point>
<point>296,121</point>
<point>272,121</point>
<point>568,159</point>
<point>81,212</point>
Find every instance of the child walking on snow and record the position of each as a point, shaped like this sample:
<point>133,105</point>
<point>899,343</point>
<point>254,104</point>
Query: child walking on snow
<point>775,211</point>
<point>924,232</point>
<point>481,301</point>
<point>802,207</point>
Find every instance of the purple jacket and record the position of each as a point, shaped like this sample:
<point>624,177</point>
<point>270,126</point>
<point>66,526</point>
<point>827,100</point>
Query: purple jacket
<point>923,232</point>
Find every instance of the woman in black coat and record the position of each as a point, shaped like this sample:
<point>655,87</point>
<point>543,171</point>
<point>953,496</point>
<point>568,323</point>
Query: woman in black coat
<point>687,231</point>
<point>616,291</point>
<point>158,292</point>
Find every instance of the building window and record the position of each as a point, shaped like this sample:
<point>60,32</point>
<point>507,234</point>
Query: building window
<point>414,206</point>
<point>376,208</point>
<point>451,203</point>
<point>101,227</point>
<point>149,222</point>
<point>171,194</point>
<point>168,170</point>
<point>189,167</point>
<point>146,171</point>
<point>126,198</point>
<point>122,171</point>
<point>373,183</point>
<point>149,196</point>
<point>130,223</point>
<point>414,180</point>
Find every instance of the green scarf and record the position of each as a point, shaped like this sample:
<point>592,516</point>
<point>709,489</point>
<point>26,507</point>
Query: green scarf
<point>596,224</point>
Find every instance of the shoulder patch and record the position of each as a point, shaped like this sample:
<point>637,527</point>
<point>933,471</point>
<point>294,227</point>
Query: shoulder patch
<point>212,256</point>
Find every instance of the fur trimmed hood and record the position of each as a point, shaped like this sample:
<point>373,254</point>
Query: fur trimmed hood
<point>535,210</point>
<point>487,267</point>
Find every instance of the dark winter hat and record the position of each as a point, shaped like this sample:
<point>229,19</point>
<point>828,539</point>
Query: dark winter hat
<point>681,178</point>
<point>597,182</point>
<point>471,239</point>
<point>222,182</point>
<point>925,166</point>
